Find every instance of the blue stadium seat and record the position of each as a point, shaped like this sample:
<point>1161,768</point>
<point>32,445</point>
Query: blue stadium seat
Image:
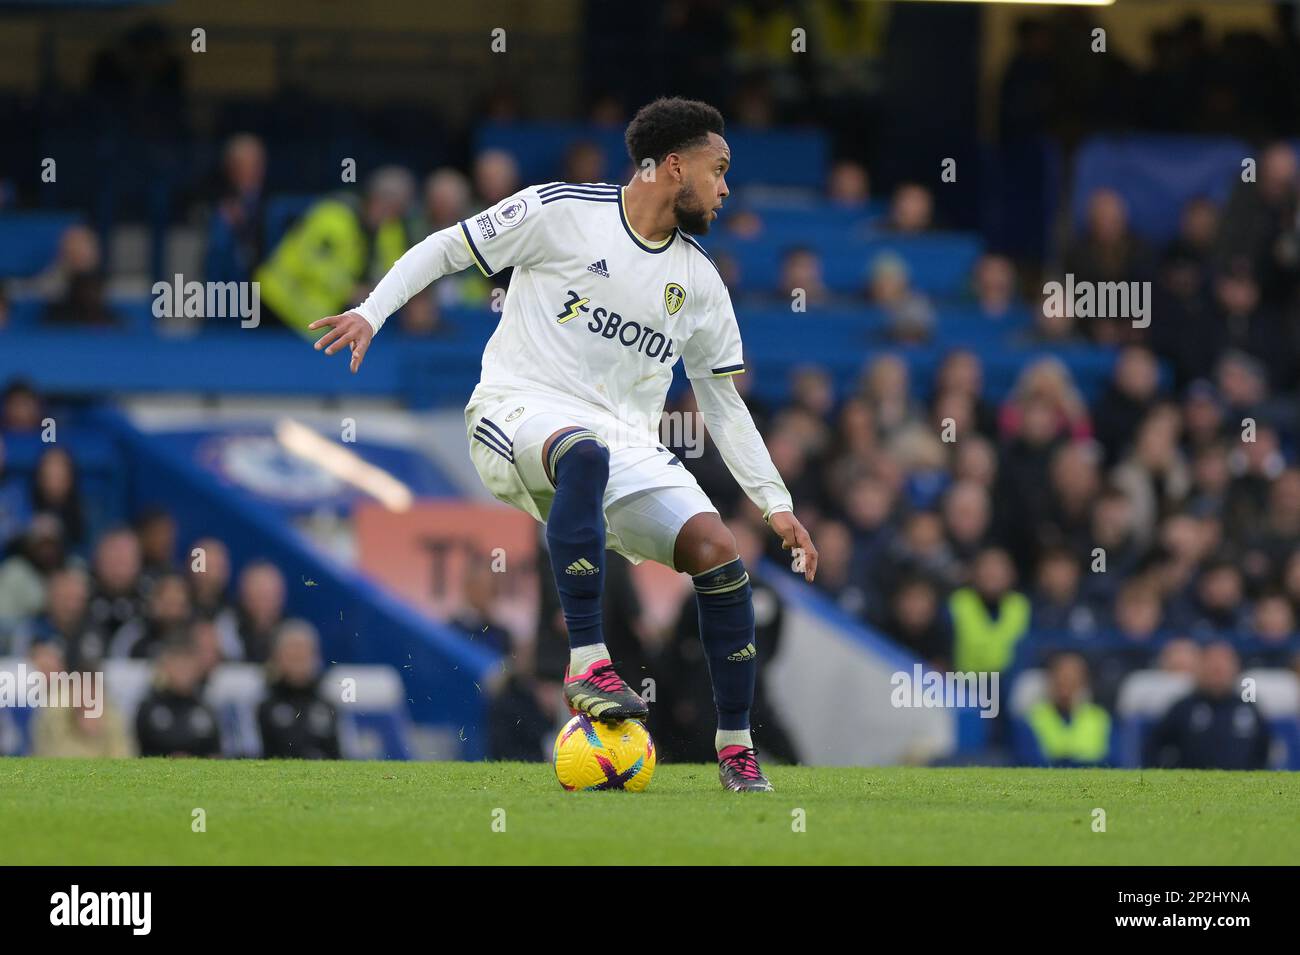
<point>777,157</point>
<point>1157,176</point>
<point>234,690</point>
<point>29,241</point>
<point>373,719</point>
<point>938,263</point>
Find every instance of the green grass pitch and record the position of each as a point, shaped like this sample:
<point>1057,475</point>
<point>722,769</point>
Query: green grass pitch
<point>79,812</point>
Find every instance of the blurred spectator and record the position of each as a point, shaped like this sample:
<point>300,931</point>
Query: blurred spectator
<point>167,612</point>
<point>496,176</point>
<point>801,272</point>
<point>921,549</point>
<point>909,315</point>
<point>1057,605</point>
<point>73,284</point>
<point>848,184</point>
<point>15,504</point>
<point>1046,385</point>
<point>446,201</point>
<point>917,620</point>
<point>968,518</point>
<point>1129,395</point>
<point>65,621</point>
<point>584,161</point>
<point>525,711</point>
<point>1202,415</point>
<point>963,371</point>
<point>812,390</point>
<point>209,570</point>
<point>237,228</point>
<point>1211,728</point>
<point>55,491</point>
<point>95,729</point>
<point>911,210</point>
<point>1107,250</point>
<point>835,563</point>
<point>475,617</point>
<point>25,575</point>
<point>1259,221</point>
<point>261,609</point>
<point>1138,612</point>
<point>1027,100</point>
<point>1068,728</point>
<point>331,258</point>
<point>1051,326</point>
<point>1179,655</point>
<point>20,408</point>
<point>886,388</point>
<point>1024,491</point>
<point>1273,628</point>
<point>976,460</point>
<point>156,530</point>
<point>1076,482</point>
<point>1245,321</point>
<point>995,289</point>
<point>1211,476</point>
<point>1217,609</point>
<point>1291,577</point>
<point>81,299</point>
<point>989,617</point>
<point>295,721</point>
<point>1112,541</point>
<point>1155,476</point>
<point>1197,227</point>
<point>173,720</point>
<point>207,645</point>
<point>115,597</point>
<point>745,224</point>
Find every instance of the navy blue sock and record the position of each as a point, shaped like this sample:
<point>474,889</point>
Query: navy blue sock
<point>726,606</point>
<point>575,531</point>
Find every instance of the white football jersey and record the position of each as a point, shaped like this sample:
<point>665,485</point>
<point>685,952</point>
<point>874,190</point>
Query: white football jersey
<point>594,311</point>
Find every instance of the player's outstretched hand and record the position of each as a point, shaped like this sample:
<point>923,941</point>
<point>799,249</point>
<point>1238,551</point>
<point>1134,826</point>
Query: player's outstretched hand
<point>795,538</point>
<point>347,329</point>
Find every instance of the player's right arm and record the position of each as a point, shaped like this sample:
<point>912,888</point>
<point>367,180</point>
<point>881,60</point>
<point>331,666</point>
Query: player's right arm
<point>511,233</point>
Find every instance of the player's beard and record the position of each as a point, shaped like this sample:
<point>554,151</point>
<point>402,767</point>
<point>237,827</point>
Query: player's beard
<point>692,213</point>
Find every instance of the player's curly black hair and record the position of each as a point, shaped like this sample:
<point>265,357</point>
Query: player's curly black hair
<point>668,125</point>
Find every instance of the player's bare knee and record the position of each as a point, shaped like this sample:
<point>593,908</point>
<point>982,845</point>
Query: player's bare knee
<point>704,543</point>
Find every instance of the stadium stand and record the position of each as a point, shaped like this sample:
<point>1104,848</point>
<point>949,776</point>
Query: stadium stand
<point>1065,443</point>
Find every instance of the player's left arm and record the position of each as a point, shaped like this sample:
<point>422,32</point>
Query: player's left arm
<point>732,428</point>
<point>712,356</point>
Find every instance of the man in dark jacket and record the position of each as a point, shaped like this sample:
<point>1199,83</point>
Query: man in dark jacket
<point>173,720</point>
<point>296,723</point>
<point>1211,728</point>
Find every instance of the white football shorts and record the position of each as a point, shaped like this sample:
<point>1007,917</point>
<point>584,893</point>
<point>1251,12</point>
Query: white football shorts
<point>650,494</point>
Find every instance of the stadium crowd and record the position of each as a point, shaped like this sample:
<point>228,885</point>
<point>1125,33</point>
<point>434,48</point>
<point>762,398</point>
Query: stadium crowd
<point>1155,526</point>
<point>71,600</point>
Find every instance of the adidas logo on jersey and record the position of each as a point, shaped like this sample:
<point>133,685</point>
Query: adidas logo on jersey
<point>741,656</point>
<point>600,268</point>
<point>581,568</point>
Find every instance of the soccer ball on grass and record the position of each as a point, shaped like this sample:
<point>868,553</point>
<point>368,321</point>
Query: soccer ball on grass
<point>590,755</point>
